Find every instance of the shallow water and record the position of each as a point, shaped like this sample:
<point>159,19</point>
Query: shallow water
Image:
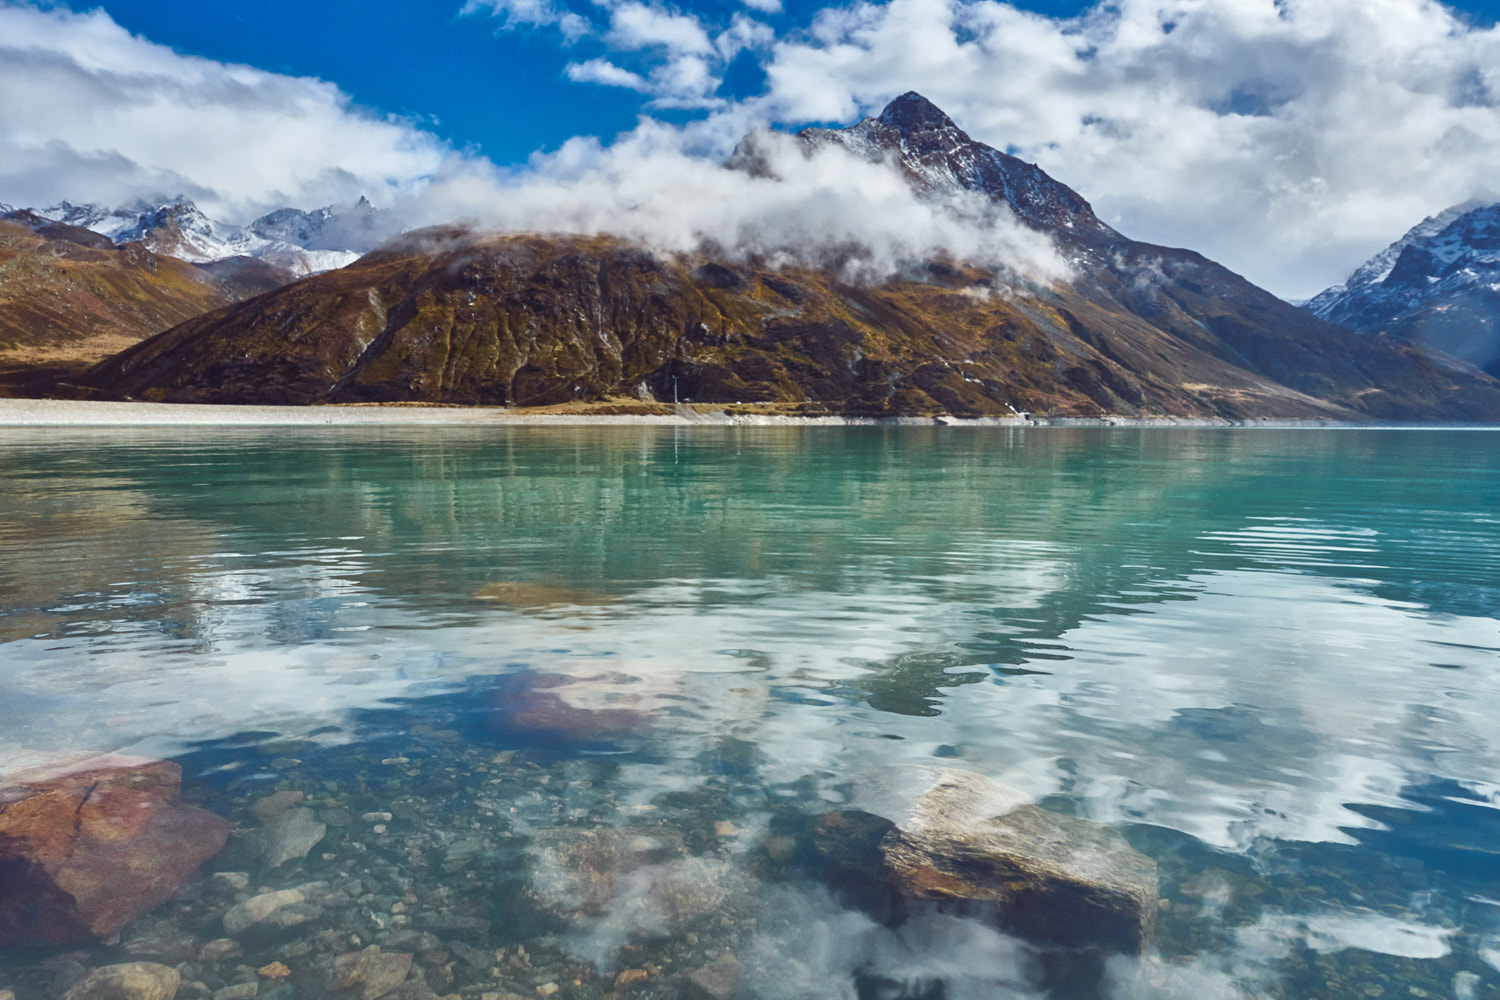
<point>1267,657</point>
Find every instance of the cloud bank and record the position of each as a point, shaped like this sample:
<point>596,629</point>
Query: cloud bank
<point>1287,138</point>
<point>824,209</point>
<point>88,111</point>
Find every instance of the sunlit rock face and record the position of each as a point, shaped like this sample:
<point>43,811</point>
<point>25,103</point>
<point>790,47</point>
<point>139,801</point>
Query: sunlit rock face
<point>1049,877</point>
<point>88,843</point>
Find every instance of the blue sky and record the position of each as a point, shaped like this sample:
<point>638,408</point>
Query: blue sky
<point>475,83</point>
<point>1289,139</point>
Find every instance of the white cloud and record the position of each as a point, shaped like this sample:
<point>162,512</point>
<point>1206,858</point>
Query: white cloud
<point>89,111</point>
<point>532,14</point>
<point>764,6</point>
<point>1286,139</point>
<point>829,209</point>
<point>605,72</point>
<point>676,58</point>
<point>637,26</point>
<point>743,33</point>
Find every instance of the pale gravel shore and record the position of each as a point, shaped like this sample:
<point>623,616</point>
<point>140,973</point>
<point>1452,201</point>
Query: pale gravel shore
<point>70,413</point>
<point>57,412</point>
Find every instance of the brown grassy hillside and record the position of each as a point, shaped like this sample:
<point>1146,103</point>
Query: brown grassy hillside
<point>443,316</point>
<point>66,303</point>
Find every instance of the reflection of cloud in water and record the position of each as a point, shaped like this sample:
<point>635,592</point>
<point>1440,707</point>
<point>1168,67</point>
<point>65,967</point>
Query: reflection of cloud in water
<point>810,948</point>
<point>1250,964</point>
<point>1262,708</point>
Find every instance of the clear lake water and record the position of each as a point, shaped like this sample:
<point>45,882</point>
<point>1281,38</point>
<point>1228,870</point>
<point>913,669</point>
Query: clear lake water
<point>1269,658</point>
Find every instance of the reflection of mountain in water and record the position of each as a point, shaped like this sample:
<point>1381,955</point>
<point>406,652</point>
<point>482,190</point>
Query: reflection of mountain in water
<point>1029,533</point>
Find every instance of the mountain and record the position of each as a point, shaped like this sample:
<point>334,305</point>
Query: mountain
<point>450,315</point>
<point>299,242</point>
<point>89,280</point>
<point>1438,286</point>
<point>69,297</point>
<point>936,155</point>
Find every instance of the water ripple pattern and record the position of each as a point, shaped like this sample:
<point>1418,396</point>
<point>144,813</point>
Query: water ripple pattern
<point>1269,656</point>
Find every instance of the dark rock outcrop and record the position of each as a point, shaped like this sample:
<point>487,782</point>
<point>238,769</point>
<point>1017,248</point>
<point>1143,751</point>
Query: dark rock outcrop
<point>89,843</point>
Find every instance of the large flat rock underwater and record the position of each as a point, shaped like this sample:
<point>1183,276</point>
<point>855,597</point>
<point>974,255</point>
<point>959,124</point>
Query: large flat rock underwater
<point>90,842</point>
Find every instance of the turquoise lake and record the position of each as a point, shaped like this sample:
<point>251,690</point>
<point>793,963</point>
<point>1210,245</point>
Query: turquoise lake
<point>1269,658</point>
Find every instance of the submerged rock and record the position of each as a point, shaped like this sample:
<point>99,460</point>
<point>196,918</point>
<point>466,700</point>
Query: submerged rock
<point>368,974</point>
<point>270,911</point>
<point>88,843</point>
<point>130,981</point>
<point>634,878</point>
<point>558,709</point>
<point>526,596</point>
<point>1042,875</point>
<point>578,872</point>
<point>289,836</point>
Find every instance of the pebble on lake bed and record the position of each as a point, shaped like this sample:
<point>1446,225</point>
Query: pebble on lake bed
<point>270,910</point>
<point>288,835</point>
<point>129,981</point>
<point>368,974</point>
<point>629,977</point>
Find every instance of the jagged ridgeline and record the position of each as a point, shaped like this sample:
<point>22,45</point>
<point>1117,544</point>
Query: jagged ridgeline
<point>455,316</point>
<point>1437,286</point>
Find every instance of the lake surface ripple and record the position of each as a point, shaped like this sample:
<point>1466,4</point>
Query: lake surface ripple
<point>1267,657</point>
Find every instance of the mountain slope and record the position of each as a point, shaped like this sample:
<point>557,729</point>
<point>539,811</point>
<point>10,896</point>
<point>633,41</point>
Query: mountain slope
<point>69,297</point>
<point>935,155</point>
<point>94,280</point>
<point>460,317</point>
<point>1439,286</point>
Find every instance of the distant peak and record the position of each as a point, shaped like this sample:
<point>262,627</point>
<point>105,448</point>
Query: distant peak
<point>911,112</point>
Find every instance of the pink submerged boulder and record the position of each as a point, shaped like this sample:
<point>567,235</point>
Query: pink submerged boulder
<point>90,842</point>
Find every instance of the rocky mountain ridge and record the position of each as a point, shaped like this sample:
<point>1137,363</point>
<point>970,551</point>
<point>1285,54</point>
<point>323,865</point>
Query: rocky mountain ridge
<point>455,316</point>
<point>1438,285</point>
<point>936,155</point>
<point>298,242</point>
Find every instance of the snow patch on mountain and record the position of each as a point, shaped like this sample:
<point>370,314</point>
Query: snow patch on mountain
<point>301,242</point>
<point>939,156</point>
<point>1439,285</point>
<point>1442,255</point>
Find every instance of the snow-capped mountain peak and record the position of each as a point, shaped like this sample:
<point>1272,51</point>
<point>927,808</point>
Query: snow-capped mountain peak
<point>301,242</point>
<point>1438,284</point>
<point>938,155</point>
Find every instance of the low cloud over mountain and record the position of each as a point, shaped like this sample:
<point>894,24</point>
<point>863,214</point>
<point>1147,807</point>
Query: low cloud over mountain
<point>1286,138</point>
